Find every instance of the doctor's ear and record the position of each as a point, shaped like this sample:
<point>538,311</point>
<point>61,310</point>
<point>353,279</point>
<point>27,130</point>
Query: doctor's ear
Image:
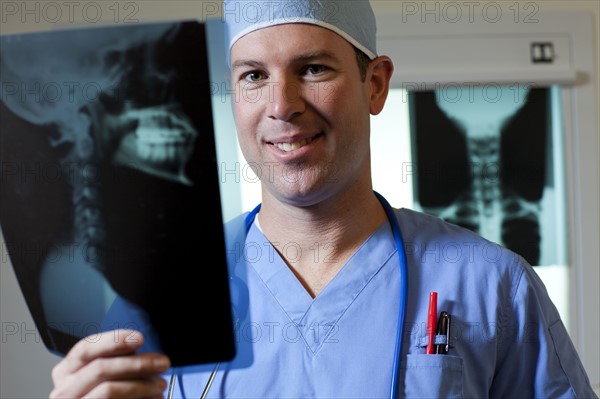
<point>378,78</point>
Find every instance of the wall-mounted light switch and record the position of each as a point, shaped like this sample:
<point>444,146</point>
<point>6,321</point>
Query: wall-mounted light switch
<point>542,52</point>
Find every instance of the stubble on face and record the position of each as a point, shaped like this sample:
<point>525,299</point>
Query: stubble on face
<point>328,113</point>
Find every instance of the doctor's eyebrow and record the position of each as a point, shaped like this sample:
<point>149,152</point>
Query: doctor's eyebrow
<point>246,64</point>
<point>313,56</point>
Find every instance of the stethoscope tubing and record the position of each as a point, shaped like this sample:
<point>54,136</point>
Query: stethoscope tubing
<point>403,293</point>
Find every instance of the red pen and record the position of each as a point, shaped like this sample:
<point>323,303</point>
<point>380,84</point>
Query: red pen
<point>431,322</point>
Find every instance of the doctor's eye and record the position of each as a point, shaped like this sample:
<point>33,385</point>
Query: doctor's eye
<point>315,69</point>
<point>254,76</point>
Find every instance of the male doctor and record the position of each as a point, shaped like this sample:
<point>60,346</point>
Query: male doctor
<point>308,78</point>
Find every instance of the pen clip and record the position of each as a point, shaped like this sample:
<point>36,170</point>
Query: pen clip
<point>443,332</point>
<point>437,340</point>
<point>448,333</point>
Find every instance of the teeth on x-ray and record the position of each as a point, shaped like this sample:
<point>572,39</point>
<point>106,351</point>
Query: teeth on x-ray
<point>162,140</point>
<point>160,143</point>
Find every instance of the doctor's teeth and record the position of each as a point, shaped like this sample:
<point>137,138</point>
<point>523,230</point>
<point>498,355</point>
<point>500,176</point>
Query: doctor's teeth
<point>287,147</point>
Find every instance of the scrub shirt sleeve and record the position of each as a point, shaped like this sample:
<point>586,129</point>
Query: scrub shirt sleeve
<point>537,358</point>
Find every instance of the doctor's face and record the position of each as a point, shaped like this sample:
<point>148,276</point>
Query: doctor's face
<point>302,111</point>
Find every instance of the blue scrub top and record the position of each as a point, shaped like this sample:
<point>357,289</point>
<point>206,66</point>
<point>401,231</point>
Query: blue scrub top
<point>507,338</point>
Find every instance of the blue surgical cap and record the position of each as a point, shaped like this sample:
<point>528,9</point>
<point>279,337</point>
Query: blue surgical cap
<point>354,20</point>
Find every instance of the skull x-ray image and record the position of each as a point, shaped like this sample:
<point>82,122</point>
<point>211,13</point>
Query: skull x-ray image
<point>109,177</point>
<point>484,161</point>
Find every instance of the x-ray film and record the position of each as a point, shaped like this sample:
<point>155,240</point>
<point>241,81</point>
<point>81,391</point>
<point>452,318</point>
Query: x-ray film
<point>485,159</point>
<point>110,205</point>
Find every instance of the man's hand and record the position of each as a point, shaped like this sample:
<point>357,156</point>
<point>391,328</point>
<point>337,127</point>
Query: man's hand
<point>107,367</point>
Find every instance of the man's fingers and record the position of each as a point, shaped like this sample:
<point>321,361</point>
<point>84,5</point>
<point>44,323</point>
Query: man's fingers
<point>145,365</point>
<point>129,389</point>
<point>116,377</point>
<point>106,344</point>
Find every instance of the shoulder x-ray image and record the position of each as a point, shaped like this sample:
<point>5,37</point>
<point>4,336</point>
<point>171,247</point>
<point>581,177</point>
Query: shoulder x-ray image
<point>484,161</point>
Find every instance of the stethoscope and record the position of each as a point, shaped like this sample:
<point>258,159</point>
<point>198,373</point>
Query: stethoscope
<point>399,243</point>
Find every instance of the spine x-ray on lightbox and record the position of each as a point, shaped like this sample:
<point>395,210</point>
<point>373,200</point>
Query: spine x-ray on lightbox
<point>110,186</point>
<point>484,161</point>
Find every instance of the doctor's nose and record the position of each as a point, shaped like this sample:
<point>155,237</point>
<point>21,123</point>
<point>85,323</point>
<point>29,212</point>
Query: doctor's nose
<point>285,101</point>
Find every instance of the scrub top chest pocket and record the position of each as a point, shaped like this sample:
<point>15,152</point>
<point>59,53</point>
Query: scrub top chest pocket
<point>432,376</point>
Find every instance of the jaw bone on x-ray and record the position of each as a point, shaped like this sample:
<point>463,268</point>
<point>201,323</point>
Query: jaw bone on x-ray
<point>117,123</point>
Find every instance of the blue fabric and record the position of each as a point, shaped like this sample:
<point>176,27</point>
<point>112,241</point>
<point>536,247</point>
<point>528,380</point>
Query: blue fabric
<point>507,337</point>
<point>354,20</point>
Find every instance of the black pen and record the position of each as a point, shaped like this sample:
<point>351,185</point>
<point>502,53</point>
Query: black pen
<point>443,328</point>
